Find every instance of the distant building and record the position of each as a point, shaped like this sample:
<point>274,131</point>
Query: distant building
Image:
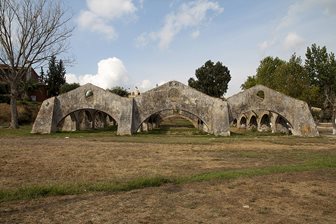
<point>134,93</point>
<point>39,94</point>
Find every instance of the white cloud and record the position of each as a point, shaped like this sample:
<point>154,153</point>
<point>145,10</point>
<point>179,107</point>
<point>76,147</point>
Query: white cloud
<point>296,19</point>
<point>293,41</point>
<point>189,15</point>
<point>299,8</point>
<point>101,13</point>
<point>90,20</point>
<point>146,84</point>
<point>111,72</point>
<point>195,34</point>
<point>111,9</point>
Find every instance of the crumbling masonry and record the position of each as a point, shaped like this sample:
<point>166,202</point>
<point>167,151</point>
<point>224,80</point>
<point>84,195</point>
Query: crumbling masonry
<point>92,107</point>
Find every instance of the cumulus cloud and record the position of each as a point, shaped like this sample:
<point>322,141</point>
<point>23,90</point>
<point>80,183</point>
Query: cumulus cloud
<point>146,84</point>
<point>297,9</point>
<point>188,15</point>
<point>293,41</point>
<point>297,14</point>
<point>101,13</point>
<point>111,72</point>
<point>95,23</point>
<point>195,34</point>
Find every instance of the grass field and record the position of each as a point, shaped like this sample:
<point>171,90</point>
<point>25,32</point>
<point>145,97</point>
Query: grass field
<point>171,175</point>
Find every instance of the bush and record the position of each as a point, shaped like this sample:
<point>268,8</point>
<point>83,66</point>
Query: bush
<point>4,114</point>
<point>68,87</point>
<point>26,112</point>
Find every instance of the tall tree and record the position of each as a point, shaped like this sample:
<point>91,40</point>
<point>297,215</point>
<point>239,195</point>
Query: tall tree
<point>66,87</point>
<point>31,31</point>
<point>266,71</point>
<point>55,76</point>
<point>250,82</point>
<point>321,67</point>
<point>43,76</point>
<point>212,79</point>
<point>290,78</point>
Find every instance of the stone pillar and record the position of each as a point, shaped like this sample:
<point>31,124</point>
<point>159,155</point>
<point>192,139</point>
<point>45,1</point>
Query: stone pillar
<point>76,115</point>
<point>144,126</point>
<point>45,121</point>
<point>150,126</point>
<point>274,118</point>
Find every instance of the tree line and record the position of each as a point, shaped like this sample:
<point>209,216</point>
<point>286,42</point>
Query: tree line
<point>312,80</point>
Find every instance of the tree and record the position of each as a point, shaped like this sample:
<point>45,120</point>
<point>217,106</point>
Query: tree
<point>266,71</point>
<point>290,78</point>
<point>31,31</point>
<point>66,87</point>
<point>250,82</point>
<point>321,68</point>
<point>212,79</point>
<point>55,76</point>
<point>43,76</point>
<point>119,90</point>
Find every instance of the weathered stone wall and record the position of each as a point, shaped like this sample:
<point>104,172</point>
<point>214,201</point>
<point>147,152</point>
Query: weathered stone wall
<point>295,111</point>
<point>85,97</point>
<point>175,99</point>
<point>179,97</point>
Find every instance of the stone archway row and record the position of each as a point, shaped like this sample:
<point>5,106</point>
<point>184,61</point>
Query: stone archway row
<point>85,119</point>
<point>263,121</point>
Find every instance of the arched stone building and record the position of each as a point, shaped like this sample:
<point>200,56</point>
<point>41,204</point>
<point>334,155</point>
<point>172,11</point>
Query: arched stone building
<point>65,112</point>
<point>259,107</point>
<point>266,109</point>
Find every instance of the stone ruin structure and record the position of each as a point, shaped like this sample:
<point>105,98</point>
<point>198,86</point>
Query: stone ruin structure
<point>90,107</point>
<point>267,110</point>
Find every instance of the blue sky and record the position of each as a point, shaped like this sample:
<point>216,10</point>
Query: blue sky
<point>147,42</point>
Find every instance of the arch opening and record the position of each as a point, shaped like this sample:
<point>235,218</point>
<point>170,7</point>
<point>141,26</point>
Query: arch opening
<point>173,121</point>
<point>265,123</point>
<point>261,94</point>
<point>87,119</point>
<point>242,122</point>
<point>234,123</point>
<point>253,124</point>
<point>282,125</point>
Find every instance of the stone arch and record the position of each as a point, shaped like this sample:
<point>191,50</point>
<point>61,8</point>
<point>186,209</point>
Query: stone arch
<point>242,121</point>
<point>68,123</point>
<point>234,122</point>
<point>195,125</point>
<point>253,123</point>
<point>151,121</point>
<point>282,125</point>
<point>84,119</point>
<point>265,122</point>
<point>88,97</point>
<point>295,111</point>
<point>175,96</point>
